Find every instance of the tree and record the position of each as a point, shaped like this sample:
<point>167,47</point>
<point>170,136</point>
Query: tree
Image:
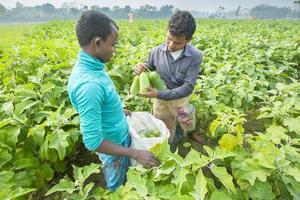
<point>2,9</point>
<point>47,8</point>
<point>166,11</point>
<point>19,5</point>
<point>297,2</point>
<point>265,11</point>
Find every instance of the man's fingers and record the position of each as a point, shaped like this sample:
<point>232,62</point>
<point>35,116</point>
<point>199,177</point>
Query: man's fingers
<point>156,159</point>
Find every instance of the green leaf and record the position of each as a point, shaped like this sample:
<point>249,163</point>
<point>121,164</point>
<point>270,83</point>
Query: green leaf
<point>165,191</point>
<point>4,122</point>
<point>18,192</point>
<point>213,126</point>
<point>294,172</point>
<point>163,172</point>
<point>262,191</point>
<point>228,142</point>
<point>293,124</point>
<point>81,174</point>
<point>223,176</point>
<point>217,195</point>
<point>276,134</point>
<point>293,186</point>
<point>138,182</point>
<point>46,88</point>
<point>24,105</point>
<point>5,157</point>
<point>28,162</point>
<point>179,177</point>
<point>161,150</point>
<point>8,107</point>
<point>87,189</point>
<point>63,186</point>
<point>194,158</point>
<point>200,186</point>
<point>47,171</point>
<point>9,135</point>
<point>37,133</point>
<point>58,141</point>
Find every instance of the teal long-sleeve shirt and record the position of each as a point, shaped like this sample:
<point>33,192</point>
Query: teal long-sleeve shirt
<point>94,97</point>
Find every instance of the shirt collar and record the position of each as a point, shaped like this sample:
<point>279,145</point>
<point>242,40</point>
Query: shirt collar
<point>90,62</point>
<point>186,52</point>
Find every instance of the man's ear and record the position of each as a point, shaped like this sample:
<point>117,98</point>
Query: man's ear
<point>98,41</point>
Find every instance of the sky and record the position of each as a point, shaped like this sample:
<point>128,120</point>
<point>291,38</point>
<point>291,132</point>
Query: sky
<point>199,5</point>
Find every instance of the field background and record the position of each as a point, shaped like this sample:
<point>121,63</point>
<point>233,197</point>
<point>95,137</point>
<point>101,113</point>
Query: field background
<point>247,102</point>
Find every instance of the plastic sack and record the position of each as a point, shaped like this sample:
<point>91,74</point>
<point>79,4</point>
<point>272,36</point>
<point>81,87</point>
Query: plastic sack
<point>139,121</point>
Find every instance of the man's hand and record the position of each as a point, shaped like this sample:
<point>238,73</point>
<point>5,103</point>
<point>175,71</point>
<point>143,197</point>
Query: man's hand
<point>127,112</point>
<point>139,68</point>
<point>146,158</point>
<point>151,93</point>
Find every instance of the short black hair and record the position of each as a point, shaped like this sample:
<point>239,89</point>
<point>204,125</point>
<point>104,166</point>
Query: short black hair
<point>91,24</point>
<point>182,23</point>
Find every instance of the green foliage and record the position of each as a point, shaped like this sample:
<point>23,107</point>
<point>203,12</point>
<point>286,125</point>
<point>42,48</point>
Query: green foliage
<point>249,66</point>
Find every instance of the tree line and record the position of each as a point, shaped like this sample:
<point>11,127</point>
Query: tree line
<point>47,11</point>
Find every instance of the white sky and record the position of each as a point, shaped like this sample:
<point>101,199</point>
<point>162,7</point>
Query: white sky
<point>200,5</point>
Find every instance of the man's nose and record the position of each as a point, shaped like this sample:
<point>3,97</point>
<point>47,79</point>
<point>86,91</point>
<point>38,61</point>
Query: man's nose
<point>171,45</point>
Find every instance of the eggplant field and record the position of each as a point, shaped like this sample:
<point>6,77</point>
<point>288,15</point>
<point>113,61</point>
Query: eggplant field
<point>247,101</point>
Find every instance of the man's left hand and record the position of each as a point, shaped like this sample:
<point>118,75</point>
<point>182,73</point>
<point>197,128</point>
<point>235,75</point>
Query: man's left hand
<point>151,93</point>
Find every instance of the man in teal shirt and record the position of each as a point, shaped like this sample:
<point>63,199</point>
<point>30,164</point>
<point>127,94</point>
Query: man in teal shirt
<point>92,93</point>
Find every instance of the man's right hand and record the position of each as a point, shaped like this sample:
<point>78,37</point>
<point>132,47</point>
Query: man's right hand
<point>139,68</point>
<point>146,158</point>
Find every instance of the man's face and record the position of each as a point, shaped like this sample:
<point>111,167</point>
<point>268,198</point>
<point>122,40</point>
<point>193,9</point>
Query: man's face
<point>176,43</point>
<point>106,49</point>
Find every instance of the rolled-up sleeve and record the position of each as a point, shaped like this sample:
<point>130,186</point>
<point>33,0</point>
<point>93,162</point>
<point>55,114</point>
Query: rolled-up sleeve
<point>189,82</point>
<point>89,98</point>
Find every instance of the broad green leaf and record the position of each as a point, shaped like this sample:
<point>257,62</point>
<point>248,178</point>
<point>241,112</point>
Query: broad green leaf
<point>165,191</point>
<point>293,124</point>
<point>293,186</point>
<point>25,178</point>
<point>5,157</point>
<point>179,177</point>
<point>18,192</point>
<point>28,162</point>
<point>87,189</point>
<point>223,176</point>
<point>37,133</point>
<point>4,122</point>
<point>46,88</point>
<point>63,186</point>
<point>276,134</point>
<point>196,159</point>
<point>200,186</point>
<point>213,127</point>
<point>48,172</point>
<point>24,105</point>
<point>216,195</point>
<point>9,135</point>
<point>8,107</point>
<point>262,191</point>
<point>138,182</point>
<point>163,172</point>
<point>161,150</point>
<point>58,141</point>
<point>294,172</point>
<point>81,174</point>
<point>228,142</point>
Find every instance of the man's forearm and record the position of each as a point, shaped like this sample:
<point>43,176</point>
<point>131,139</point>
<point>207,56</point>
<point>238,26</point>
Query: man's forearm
<point>109,148</point>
